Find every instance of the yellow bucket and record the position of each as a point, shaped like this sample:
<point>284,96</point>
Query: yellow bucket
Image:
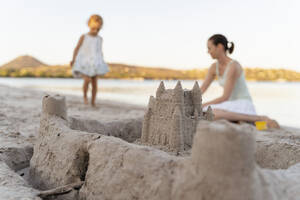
<point>261,125</point>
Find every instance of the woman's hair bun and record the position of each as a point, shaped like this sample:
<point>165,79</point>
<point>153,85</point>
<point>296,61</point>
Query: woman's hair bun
<point>231,48</point>
<point>221,39</point>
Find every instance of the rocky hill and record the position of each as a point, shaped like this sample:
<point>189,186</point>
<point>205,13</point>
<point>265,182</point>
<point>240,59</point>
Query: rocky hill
<point>23,61</point>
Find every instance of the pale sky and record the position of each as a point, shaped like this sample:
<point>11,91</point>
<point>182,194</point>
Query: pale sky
<point>165,33</point>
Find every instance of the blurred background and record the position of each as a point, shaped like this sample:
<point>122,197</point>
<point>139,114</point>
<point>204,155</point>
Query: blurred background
<point>148,41</point>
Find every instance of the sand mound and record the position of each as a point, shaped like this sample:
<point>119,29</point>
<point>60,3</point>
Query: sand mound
<point>222,165</point>
<point>23,61</point>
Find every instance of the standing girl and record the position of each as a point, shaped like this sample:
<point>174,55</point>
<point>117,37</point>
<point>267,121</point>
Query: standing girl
<point>88,60</point>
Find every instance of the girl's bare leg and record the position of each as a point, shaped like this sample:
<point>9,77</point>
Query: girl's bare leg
<point>94,90</point>
<point>232,116</point>
<point>85,88</point>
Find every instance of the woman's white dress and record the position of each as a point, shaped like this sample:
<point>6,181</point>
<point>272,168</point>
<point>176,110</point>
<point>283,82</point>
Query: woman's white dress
<point>240,100</point>
<point>89,60</point>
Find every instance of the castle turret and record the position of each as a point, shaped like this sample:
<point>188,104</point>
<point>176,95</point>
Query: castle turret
<point>178,93</point>
<point>196,114</point>
<point>145,129</point>
<point>197,98</point>
<point>160,90</point>
<point>151,102</point>
<point>55,105</point>
<point>176,138</point>
<point>147,117</point>
<point>209,114</point>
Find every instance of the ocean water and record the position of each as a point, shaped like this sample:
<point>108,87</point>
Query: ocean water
<point>278,100</point>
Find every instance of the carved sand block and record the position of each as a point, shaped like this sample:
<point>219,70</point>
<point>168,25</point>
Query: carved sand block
<point>55,105</point>
<point>172,117</point>
<point>222,165</point>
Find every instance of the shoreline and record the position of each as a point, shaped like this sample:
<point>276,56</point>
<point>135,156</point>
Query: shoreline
<point>113,95</point>
<point>20,110</point>
<point>151,79</point>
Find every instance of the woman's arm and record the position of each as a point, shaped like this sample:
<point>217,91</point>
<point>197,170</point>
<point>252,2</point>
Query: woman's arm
<point>209,78</point>
<point>76,50</point>
<point>228,87</point>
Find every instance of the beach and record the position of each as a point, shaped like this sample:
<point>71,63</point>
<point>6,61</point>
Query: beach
<point>20,111</point>
<point>21,108</point>
<point>278,100</point>
<point>20,123</point>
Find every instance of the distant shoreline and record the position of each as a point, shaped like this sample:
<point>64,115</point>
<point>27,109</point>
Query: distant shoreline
<point>141,80</point>
<point>126,72</point>
<point>28,66</point>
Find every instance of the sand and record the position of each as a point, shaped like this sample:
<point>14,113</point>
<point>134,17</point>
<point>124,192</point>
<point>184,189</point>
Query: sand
<point>20,111</point>
<point>74,144</point>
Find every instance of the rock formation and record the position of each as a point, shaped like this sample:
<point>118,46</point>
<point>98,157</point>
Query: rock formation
<point>222,165</point>
<point>172,117</point>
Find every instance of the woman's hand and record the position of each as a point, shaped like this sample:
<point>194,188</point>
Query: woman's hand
<point>209,78</point>
<point>205,104</point>
<point>228,87</point>
<point>72,63</point>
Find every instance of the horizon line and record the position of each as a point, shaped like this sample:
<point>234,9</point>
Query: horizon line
<point>147,66</point>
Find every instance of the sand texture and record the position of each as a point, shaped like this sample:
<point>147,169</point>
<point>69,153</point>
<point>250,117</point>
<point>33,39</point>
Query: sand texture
<point>68,143</point>
<point>222,164</point>
<point>172,117</point>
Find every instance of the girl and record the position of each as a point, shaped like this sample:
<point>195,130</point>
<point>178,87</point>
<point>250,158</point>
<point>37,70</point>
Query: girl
<point>235,104</point>
<point>88,60</point>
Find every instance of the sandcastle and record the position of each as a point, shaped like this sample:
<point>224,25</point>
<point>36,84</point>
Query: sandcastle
<point>222,165</point>
<point>171,118</point>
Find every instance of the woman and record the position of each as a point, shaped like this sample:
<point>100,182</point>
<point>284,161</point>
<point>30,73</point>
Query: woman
<point>235,104</point>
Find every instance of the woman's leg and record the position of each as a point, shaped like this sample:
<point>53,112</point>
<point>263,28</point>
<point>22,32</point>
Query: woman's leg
<point>232,116</point>
<point>94,90</point>
<point>85,88</point>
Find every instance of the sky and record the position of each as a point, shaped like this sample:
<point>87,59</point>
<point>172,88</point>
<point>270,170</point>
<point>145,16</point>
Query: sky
<point>156,33</point>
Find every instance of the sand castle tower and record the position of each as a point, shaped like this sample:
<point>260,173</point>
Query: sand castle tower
<point>172,117</point>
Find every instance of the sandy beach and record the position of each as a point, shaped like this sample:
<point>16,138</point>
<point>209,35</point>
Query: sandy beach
<point>20,110</point>
<point>20,121</point>
<point>149,100</point>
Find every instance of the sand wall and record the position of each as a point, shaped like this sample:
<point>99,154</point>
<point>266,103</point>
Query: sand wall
<point>127,129</point>
<point>222,165</point>
<point>278,149</point>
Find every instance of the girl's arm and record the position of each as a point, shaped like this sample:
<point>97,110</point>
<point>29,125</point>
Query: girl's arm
<point>228,87</point>
<point>209,78</point>
<point>76,50</point>
<point>101,47</point>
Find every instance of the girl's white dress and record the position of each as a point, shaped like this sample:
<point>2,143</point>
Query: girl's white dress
<point>89,60</point>
<point>240,100</point>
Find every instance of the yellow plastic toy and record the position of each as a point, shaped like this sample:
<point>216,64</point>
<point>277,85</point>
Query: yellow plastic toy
<point>261,125</point>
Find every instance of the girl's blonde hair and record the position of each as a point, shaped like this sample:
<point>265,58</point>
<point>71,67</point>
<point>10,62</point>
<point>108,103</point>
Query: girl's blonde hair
<point>95,18</point>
